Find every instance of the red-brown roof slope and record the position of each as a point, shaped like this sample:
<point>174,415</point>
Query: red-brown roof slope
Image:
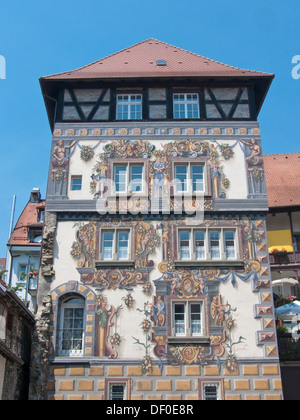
<point>140,60</point>
<point>28,218</point>
<point>283,179</point>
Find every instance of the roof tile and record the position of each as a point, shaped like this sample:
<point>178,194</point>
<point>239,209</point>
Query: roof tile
<point>140,60</point>
<point>283,179</point>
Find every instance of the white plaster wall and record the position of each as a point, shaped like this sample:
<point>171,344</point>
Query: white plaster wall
<point>243,299</point>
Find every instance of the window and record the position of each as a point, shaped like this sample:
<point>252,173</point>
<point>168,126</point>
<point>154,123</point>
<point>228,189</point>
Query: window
<point>207,244</point>
<point>296,241</point>
<point>128,178</point>
<point>115,245</point>
<point>22,272</point>
<point>185,245</point>
<point>189,177</point>
<point>41,216</point>
<point>187,319</point>
<point>117,392</point>
<point>229,243</point>
<point>117,389</point>
<point>214,245</point>
<point>129,107</point>
<point>211,390</point>
<point>70,335</point>
<point>185,106</point>
<point>76,183</point>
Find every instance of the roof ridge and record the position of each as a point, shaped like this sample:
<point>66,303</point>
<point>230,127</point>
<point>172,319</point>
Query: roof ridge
<point>281,154</point>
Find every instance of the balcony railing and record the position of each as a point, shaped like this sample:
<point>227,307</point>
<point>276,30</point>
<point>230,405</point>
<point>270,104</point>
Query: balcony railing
<point>288,347</point>
<point>289,258</point>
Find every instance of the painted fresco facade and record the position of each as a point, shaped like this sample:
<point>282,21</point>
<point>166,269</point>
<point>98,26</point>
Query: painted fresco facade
<point>183,306</point>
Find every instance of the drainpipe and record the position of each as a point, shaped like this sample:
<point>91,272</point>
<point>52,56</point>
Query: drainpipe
<point>8,254</point>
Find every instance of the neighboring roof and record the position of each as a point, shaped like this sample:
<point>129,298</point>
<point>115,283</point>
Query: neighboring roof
<point>283,179</point>
<point>140,60</point>
<point>27,219</point>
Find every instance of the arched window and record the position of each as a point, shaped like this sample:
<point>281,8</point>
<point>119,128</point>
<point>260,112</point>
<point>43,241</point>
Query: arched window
<point>71,327</point>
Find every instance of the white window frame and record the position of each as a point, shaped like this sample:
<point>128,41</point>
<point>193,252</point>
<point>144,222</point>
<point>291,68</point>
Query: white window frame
<point>189,178</point>
<point>207,244</point>
<point>206,382</point>
<point>65,305</point>
<point>76,177</point>
<point>130,104</point>
<point>125,382</point>
<point>187,318</point>
<point>115,244</point>
<point>184,102</point>
<point>128,180</point>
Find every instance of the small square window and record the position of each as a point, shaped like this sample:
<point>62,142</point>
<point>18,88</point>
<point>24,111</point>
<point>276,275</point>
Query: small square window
<point>117,389</point>
<point>129,107</point>
<point>186,106</point>
<point>211,389</point>
<point>76,183</point>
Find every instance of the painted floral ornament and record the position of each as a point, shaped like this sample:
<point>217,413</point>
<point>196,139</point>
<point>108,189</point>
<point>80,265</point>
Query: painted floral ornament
<point>147,287</point>
<point>128,300</point>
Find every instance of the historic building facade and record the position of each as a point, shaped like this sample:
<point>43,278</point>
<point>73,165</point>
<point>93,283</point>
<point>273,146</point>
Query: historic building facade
<point>155,275</point>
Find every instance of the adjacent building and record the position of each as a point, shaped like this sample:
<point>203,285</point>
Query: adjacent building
<point>16,329</point>
<point>283,226</point>
<point>24,248</point>
<point>283,221</point>
<point>155,280</point>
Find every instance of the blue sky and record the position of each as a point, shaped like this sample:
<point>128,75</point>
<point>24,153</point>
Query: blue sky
<point>38,38</point>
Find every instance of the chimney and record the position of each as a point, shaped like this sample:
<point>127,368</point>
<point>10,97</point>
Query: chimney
<point>35,196</point>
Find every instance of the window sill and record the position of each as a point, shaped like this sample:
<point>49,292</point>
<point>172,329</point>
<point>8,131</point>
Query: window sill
<point>209,263</point>
<point>115,263</point>
<point>187,340</point>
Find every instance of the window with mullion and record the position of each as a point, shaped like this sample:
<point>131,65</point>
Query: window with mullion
<point>187,319</point>
<point>128,178</point>
<point>203,244</point>
<point>115,245</point>
<point>189,177</point>
<point>186,106</point>
<point>72,327</point>
<point>129,107</point>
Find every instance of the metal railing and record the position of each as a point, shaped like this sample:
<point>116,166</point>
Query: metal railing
<point>285,259</point>
<point>288,347</point>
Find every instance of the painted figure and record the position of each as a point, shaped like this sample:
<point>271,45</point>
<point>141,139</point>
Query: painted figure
<point>105,323</point>
<point>159,168</point>
<point>159,312</point>
<point>60,161</point>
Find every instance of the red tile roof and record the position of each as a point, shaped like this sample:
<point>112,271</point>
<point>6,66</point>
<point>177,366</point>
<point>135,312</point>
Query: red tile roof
<point>140,60</point>
<point>27,219</point>
<point>283,179</point>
